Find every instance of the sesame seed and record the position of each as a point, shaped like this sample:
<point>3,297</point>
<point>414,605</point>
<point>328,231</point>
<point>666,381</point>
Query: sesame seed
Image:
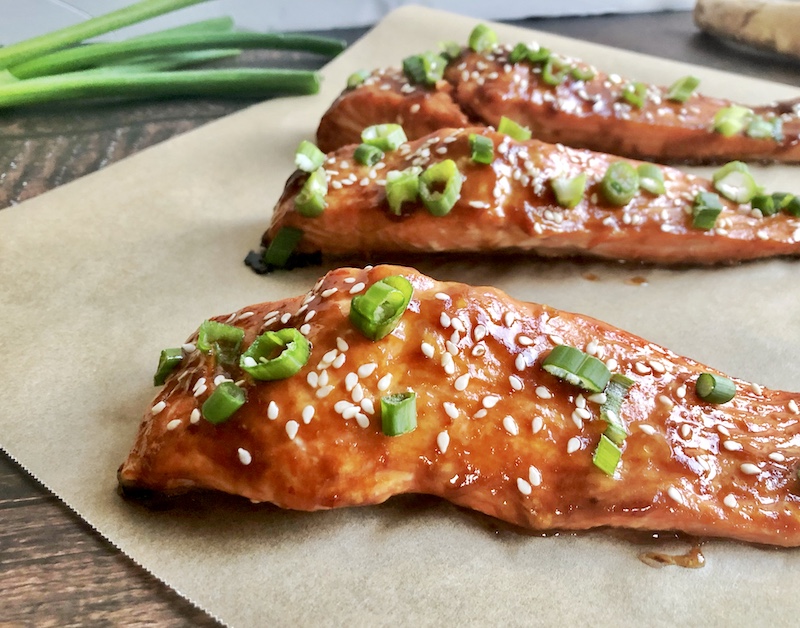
<point>444,320</point>
<point>285,317</point>
<point>777,456</point>
<point>305,328</point>
<point>357,393</point>
<point>509,319</point>
<point>358,287</point>
<point>342,405</point>
<point>543,393</point>
<point>244,456</point>
<point>451,347</point>
<point>524,487</point>
<point>732,445</point>
<point>324,391</point>
<point>365,370</point>
<point>792,405</point>
<point>291,428</point>
<point>307,414</point>
<point>442,296</point>
<point>599,398</point>
<point>272,411</point>
<point>330,291</point>
<point>730,501</point>
<point>350,412</point>
<point>457,324</point>
<point>443,441</point>
<point>573,445</point>
<point>313,379</point>
<point>657,366</point>
<point>448,364</point>
<point>534,476</point>
<point>480,413</point>
<point>188,347</point>
<point>173,424</point>
<point>686,430</point>
<point>666,401</point>
<point>362,420</point>
<point>414,108</point>
<point>583,413</point>
<point>577,419</point>
<point>194,417</point>
<point>748,468</point>
<point>537,424</point>
<point>580,401</point>
<point>756,389</point>
<point>341,344</point>
<point>510,425</point>
<point>556,340</point>
<point>516,382</point>
<point>367,405</point>
<point>525,341</point>
<point>427,349</point>
<point>197,393</point>
<point>461,382</point>
<point>230,318</point>
<point>339,361</point>
<point>384,382</point>
<point>350,380</point>
<point>160,406</point>
<point>450,409</point>
<point>675,494</point>
<point>249,361</point>
<point>680,392</point>
<point>612,364</point>
<point>478,350</point>
<point>479,333</point>
<point>647,429</point>
<point>490,401</point>
<point>520,363</point>
<point>641,367</point>
<point>349,279</point>
<point>591,347</point>
<point>330,356</point>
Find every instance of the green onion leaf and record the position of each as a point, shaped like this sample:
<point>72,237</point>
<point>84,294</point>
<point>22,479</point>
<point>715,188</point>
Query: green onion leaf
<point>539,55</point>
<point>583,73</point>
<point>761,129</point>
<point>607,455</point>
<point>508,127</point>
<point>276,355</point>
<point>569,190</point>
<point>616,391</point>
<point>715,388</point>
<point>577,368</point>
<point>399,413</point>
<point>792,207</point>
<point>765,203</point>
<point>282,246</point>
<point>519,53</point>
<point>729,121</point>
<point>221,340</point>
<point>440,187</point>
<point>734,182</point>
<point>378,311</point>
<point>387,137</point>
<point>482,148</point>
<point>705,209</point>
<point>226,399</point>
<point>357,78</point>
<point>651,179</point>
<point>620,183</point>
<point>424,69</point>
<point>368,155</point>
<point>310,201</point>
<point>308,157</point>
<point>450,49</point>
<point>554,71</point>
<point>167,362</point>
<point>681,90</point>
<point>635,94</point>
<point>402,186</point>
<point>482,38</point>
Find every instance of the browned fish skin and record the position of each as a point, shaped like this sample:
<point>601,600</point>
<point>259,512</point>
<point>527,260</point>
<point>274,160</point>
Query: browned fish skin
<point>589,114</point>
<point>496,433</point>
<point>509,206</point>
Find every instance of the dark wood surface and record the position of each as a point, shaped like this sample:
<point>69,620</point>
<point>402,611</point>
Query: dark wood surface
<point>54,569</point>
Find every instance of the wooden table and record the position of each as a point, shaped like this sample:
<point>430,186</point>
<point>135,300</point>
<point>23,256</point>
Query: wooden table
<point>54,569</point>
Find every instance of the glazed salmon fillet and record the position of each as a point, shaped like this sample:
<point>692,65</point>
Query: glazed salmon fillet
<point>482,87</point>
<point>509,205</point>
<point>495,432</point>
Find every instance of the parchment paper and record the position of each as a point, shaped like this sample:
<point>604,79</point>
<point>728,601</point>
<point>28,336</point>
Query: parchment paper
<point>99,275</point>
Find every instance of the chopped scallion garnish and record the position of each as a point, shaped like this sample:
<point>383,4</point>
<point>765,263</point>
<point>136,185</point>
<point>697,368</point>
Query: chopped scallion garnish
<point>554,71</point>
<point>765,129</point>
<point>440,187</point>
<point>424,69</point>
<point>715,388</point>
<point>519,53</point>
<point>223,341</point>
<point>276,355</point>
<point>167,362</point>
<point>682,89</point>
<point>282,246</point>
<point>310,201</point>
<point>569,190</point>
<point>705,209</point>
<point>607,455</point>
<point>620,183</point>
<point>368,155</point>
<point>357,78</point>
<point>734,182</point>
<point>387,137</point>
<point>577,368</point>
<point>651,179</point>
<point>583,73</point>
<point>450,49</point>
<point>377,312</point>
<point>729,121</point>
<point>482,148</point>
<point>399,413</point>
<point>635,94</point>
<point>539,55</point>
<point>308,157</point>
<point>226,399</point>
<point>616,391</point>
<point>482,38</point>
<point>402,186</point>
<point>792,207</point>
<point>508,127</point>
<point>765,203</point>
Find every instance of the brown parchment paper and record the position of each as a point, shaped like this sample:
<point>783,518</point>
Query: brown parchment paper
<point>99,275</point>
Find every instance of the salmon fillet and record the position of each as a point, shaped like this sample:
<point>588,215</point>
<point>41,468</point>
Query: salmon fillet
<point>592,113</point>
<point>495,432</point>
<point>509,205</point>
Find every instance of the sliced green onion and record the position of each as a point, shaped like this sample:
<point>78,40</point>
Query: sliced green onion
<point>282,246</point>
<point>569,190</point>
<point>583,73</point>
<point>729,121</point>
<point>635,94</point>
<point>620,183</point>
<point>681,90</point>
<point>310,201</point>
<point>399,413</point>
<point>705,209</point>
<point>308,157</point>
<point>539,55</point>
<point>276,355</point>
<point>482,148</point>
<point>763,129</point>
<point>482,38</point>
<point>715,388</point>
<point>508,127</point>
<point>577,368</point>
<point>554,71</point>
<point>384,136</point>
<point>616,391</point>
<point>402,186</point>
<point>167,362</point>
<point>735,182</point>
<point>651,178</point>
<point>223,341</point>
<point>368,155</point>
<point>765,203</point>
<point>424,69</point>
<point>377,312</point>
<point>226,399</point>
<point>792,207</point>
<point>607,455</point>
<point>781,200</point>
<point>440,187</point>
<point>357,78</point>
<point>519,53</point>
<point>450,49</point>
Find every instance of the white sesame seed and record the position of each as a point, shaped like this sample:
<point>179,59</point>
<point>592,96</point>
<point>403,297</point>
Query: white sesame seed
<point>583,413</point>
<point>339,361</point>
<point>249,361</point>
<point>161,405</point>
<point>444,320</point>
<point>194,417</point>
<point>313,379</point>
<point>173,424</point>
<point>666,401</point>
<point>516,382</point>
<point>591,347</point>
<point>680,392</point>
<point>612,364</point>
<point>520,363</point>
<point>357,287</point>
<point>647,429</point>
<point>793,408</point>
<point>641,367</point>
<point>490,401</point>
<point>573,445</point>
<point>350,412</point>
<point>350,380</point>
<point>543,393</point>
<point>686,430</point>
<point>509,319</point>
<point>427,349</point>
<point>451,347</point>
<point>341,344</point>
<point>478,350</point>
<point>330,356</point>
<point>510,425</point>
<point>443,441</point>
<point>723,430</point>
<point>732,445</point>
<point>230,318</point>
<point>455,337</point>
<point>367,405</point>
<point>524,487</point>
<point>598,398</point>
<point>324,391</point>
<point>442,296</point>
<point>748,468</point>
<point>777,456</point>
<point>534,476</point>
<point>307,414</point>
<point>305,328</point>
<point>357,394</point>
<point>362,420</point>
<point>199,391</point>
<point>272,411</point>
<point>479,333</point>
<point>199,383</point>
<point>756,389</point>
<point>244,456</point>
<point>414,108</point>
<point>525,341</point>
<point>292,427</point>
<point>450,409</point>
<point>365,370</point>
<point>480,413</point>
<point>461,382</point>
<point>285,317</point>
<point>730,500</point>
<point>675,495</point>
<point>384,382</point>
<point>537,424</point>
<point>457,324</point>
<point>577,419</point>
<point>448,364</point>
<point>580,401</point>
<point>342,405</point>
<point>657,366</point>
<point>329,292</point>
<point>556,340</point>
<point>188,347</point>
<point>349,280</point>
